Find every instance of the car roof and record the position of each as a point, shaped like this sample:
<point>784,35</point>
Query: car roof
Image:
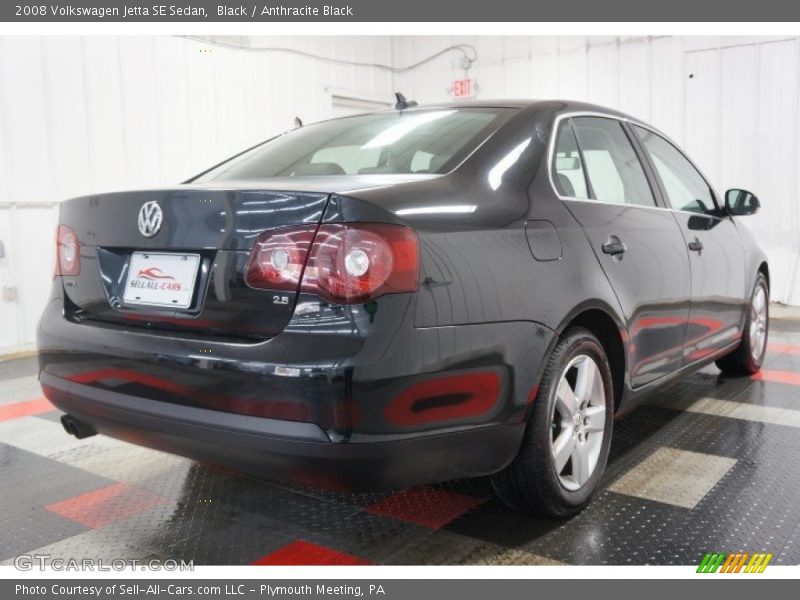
<point>528,105</point>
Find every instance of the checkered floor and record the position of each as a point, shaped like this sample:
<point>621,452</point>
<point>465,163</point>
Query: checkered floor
<point>710,464</point>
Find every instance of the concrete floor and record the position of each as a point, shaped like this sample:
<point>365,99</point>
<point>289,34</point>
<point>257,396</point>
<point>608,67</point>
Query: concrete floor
<point>710,464</point>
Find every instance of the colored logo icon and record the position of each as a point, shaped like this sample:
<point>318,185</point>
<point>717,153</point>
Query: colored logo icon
<point>739,562</point>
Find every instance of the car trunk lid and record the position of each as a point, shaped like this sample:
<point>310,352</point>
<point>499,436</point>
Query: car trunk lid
<point>189,265</point>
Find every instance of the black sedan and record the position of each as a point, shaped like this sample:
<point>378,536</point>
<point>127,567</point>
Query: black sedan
<point>404,297</point>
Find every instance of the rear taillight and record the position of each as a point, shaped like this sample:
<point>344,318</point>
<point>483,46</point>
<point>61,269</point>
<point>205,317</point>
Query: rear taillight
<point>349,264</point>
<point>342,263</point>
<point>68,256</point>
<point>278,257</point>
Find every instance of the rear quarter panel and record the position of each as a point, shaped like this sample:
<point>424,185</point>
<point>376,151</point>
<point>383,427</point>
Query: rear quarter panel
<point>477,265</point>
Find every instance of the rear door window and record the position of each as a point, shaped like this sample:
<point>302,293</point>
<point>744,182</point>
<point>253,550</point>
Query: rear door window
<point>615,174</point>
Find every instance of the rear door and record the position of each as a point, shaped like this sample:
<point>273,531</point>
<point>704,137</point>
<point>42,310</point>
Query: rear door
<point>600,177</point>
<point>715,250</point>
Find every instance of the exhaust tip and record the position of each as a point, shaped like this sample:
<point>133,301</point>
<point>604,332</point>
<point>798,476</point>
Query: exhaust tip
<point>77,428</point>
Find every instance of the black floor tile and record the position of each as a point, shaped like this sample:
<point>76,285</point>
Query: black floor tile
<point>32,480</point>
<point>32,528</point>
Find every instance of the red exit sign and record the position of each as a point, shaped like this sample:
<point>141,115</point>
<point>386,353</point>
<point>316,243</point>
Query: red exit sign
<point>463,88</point>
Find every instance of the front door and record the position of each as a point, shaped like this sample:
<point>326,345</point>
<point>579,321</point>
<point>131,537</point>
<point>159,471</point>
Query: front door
<point>715,250</point>
<point>639,245</point>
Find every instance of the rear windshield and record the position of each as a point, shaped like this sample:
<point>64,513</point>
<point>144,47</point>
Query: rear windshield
<point>413,141</point>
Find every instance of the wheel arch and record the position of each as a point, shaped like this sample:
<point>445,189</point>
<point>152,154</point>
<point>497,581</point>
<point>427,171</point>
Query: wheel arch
<point>603,323</point>
<point>763,268</point>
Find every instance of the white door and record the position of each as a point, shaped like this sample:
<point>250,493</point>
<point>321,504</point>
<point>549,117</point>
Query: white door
<point>343,106</point>
<point>27,235</point>
<point>702,111</point>
<point>9,308</point>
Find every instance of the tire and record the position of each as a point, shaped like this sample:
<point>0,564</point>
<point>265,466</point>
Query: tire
<point>532,482</point>
<point>749,354</point>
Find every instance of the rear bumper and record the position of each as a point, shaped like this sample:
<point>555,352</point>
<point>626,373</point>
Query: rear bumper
<point>300,452</point>
<point>341,397</point>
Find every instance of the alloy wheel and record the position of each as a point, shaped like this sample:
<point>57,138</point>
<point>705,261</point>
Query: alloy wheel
<point>578,422</point>
<point>758,323</point>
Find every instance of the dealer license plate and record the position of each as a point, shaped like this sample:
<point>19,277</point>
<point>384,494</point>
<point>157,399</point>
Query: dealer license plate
<point>160,279</point>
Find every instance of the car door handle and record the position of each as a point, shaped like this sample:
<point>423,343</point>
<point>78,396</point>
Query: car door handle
<point>614,246</point>
<point>696,245</point>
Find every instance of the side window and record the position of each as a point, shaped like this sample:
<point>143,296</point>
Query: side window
<point>568,174</point>
<point>614,170</point>
<point>685,187</point>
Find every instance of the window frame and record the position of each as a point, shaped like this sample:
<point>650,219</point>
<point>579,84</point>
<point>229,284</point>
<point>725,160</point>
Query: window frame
<point>644,160</point>
<point>567,124</point>
<point>717,212</point>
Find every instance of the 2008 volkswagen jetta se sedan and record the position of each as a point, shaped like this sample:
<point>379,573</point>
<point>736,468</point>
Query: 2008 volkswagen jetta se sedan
<point>406,297</point>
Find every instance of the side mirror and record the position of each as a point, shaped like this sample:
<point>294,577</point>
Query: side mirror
<point>739,203</point>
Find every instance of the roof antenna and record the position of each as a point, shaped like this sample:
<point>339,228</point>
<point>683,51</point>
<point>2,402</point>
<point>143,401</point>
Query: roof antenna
<point>402,102</point>
<point>298,122</point>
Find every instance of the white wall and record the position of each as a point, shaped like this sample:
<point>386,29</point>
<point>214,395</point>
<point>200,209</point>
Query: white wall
<point>88,114</point>
<point>732,103</point>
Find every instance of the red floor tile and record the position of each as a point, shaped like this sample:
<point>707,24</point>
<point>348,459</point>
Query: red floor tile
<point>788,377</point>
<point>306,553</point>
<point>778,348</point>
<point>429,507</point>
<point>106,505</point>
<point>25,409</point>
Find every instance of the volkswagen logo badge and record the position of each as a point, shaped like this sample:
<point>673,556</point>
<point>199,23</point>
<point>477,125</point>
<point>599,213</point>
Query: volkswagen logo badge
<point>150,217</point>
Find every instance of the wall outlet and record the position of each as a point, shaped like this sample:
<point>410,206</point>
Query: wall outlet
<point>9,294</point>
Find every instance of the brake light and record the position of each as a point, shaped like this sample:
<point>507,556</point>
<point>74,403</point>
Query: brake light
<point>342,263</point>
<point>278,257</point>
<point>68,256</point>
